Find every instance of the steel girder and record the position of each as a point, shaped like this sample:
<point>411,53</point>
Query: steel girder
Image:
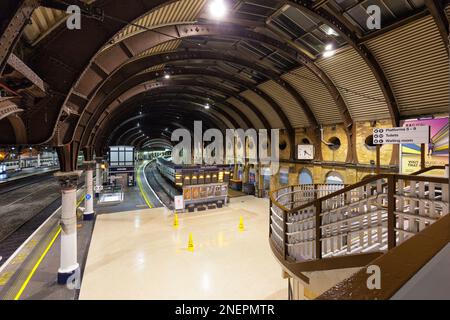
<point>136,66</point>
<point>156,92</point>
<point>344,29</point>
<point>436,9</point>
<point>161,97</point>
<point>208,117</point>
<point>180,84</point>
<point>157,99</point>
<point>11,35</point>
<point>166,117</point>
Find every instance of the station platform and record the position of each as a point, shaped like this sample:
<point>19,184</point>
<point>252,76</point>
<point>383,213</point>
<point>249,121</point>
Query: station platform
<point>140,255</point>
<point>133,251</point>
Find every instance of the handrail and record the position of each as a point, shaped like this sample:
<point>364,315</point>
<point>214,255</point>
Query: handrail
<point>309,228</point>
<point>394,277</point>
<point>275,201</point>
<point>422,171</point>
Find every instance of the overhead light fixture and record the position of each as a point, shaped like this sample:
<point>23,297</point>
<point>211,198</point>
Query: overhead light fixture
<point>207,106</point>
<point>218,9</point>
<point>329,51</point>
<point>328,54</point>
<point>167,76</point>
<point>331,32</point>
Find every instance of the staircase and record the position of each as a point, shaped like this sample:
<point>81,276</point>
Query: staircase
<point>315,227</point>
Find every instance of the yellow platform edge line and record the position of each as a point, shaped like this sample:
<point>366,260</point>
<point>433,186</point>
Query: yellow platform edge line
<point>36,266</point>
<point>41,258</point>
<point>149,203</point>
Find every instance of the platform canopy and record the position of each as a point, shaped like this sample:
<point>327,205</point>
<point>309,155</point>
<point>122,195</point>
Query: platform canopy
<point>137,70</point>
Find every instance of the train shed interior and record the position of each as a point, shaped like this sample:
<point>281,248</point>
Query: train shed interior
<point>224,150</point>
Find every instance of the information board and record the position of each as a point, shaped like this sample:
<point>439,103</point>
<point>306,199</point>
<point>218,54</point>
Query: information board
<point>179,202</point>
<point>402,135</point>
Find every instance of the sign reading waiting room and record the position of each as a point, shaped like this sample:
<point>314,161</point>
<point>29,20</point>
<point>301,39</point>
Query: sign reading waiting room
<point>403,135</point>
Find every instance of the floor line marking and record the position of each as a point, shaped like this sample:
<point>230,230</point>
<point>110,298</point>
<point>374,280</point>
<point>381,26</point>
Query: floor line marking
<point>44,254</point>
<point>150,205</point>
<point>7,262</point>
<point>36,266</point>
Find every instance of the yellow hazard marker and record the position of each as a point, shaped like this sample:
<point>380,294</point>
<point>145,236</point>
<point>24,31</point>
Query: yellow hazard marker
<point>176,223</point>
<point>191,243</point>
<point>241,224</point>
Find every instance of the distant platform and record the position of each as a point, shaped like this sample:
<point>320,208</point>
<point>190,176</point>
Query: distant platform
<point>140,255</point>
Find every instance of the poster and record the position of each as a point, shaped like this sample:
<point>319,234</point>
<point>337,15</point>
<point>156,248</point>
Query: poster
<point>436,152</point>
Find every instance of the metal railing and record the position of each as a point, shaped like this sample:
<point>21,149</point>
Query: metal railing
<point>319,221</point>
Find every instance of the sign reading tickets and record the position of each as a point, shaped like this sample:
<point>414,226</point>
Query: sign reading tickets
<point>179,202</point>
<point>403,135</point>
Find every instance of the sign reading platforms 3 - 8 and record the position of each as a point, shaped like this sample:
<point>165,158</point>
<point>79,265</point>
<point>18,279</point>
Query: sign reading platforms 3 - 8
<point>403,135</point>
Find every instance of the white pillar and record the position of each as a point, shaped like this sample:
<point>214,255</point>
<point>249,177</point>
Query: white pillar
<point>68,261</point>
<point>89,198</point>
<point>97,176</point>
<point>39,160</point>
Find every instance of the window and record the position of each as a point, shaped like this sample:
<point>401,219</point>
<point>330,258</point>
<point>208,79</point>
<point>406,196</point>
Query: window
<point>334,178</point>
<point>305,177</point>
<point>369,143</point>
<point>284,176</point>
<point>334,143</point>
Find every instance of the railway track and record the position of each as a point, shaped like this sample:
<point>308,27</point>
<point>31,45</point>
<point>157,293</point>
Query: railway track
<point>160,187</point>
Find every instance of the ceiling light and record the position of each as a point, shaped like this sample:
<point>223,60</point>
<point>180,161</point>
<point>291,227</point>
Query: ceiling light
<point>331,32</point>
<point>217,9</point>
<point>207,106</point>
<point>167,76</point>
<point>328,54</point>
<point>329,47</point>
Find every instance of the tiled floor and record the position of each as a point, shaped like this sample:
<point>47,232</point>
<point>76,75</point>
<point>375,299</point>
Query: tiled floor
<point>140,255</point>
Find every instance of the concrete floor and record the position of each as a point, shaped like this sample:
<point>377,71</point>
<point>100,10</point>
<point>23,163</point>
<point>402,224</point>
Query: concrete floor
<point>140,255</point>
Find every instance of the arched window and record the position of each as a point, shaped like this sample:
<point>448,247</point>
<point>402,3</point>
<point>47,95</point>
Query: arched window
<point>284,176</point>
<point>334,178</point>
<point>305,177</point>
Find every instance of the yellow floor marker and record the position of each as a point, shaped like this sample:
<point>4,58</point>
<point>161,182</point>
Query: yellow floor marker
<point>241,224</point>
<point>176,223</point>
<point>191,243</point>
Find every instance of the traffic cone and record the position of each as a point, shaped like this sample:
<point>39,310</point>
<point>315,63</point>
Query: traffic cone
<point>191,243</point>
<point>241,224</point>
<point>175,221</point>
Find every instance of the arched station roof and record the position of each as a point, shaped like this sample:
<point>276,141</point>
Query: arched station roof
<point>262,66</point>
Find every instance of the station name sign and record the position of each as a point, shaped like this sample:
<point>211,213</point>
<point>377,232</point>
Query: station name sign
<point>402,135</point>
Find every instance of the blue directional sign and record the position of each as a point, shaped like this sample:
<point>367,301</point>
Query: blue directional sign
<point>88,197</point>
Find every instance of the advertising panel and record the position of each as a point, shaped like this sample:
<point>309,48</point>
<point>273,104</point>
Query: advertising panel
<point>436,152</point>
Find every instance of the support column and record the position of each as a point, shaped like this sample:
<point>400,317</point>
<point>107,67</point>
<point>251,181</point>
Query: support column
<point>68,261</point>
<point>39,160</point>
<point>98,173</point>
<point>89,198</point>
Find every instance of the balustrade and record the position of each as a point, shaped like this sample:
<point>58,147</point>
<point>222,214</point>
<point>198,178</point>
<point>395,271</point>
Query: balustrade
<point>310,222</point>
